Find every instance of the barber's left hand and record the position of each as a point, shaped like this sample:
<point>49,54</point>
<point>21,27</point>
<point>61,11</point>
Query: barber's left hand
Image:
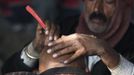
<point>79,44</point>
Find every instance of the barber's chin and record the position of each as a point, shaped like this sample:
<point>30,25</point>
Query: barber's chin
<point>97,28</point>
<point>97,22</point>
<point>97,31</point>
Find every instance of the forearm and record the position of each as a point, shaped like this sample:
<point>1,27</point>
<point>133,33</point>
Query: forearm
<point>123,68</point>
<point>110,58</point>
<point>116,63</point>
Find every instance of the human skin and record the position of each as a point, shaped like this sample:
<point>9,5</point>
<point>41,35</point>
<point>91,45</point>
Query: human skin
<point>65,50</point>
<point>98,15</point>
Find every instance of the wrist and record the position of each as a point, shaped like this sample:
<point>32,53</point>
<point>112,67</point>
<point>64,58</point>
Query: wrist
<point>28,60</point>
<point>110,57</point>
<point>30,50</point>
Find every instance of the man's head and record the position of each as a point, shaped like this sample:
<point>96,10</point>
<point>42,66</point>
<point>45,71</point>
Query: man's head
<point>98,14</point>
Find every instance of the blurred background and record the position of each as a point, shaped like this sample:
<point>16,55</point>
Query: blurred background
<point>17,27</point>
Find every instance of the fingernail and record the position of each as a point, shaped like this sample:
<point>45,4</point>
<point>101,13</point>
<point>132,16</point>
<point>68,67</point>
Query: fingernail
<point>65,62</point>
<point>55,55</point>
<point>46,32</point>
<point>49,51</point>
<point>50,38</point>
<point>55,38</point>
<point>50,44</point>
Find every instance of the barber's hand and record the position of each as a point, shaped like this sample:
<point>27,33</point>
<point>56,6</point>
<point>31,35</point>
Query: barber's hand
<point>42,37</point>
<point>79,44</point>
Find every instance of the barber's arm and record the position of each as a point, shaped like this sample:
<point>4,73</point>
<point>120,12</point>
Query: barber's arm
<point>124,67</point>
<point>81,44</point>
<point>27,59</point>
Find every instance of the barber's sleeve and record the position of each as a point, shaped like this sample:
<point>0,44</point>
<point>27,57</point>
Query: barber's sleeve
<point>124,68</point>
<point>19,62</point>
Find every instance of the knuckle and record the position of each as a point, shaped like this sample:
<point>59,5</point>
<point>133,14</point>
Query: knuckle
<point>75,35</point>
<point>63,43</point>
<point>60,53</point>
<point>54,48</point>
<point>77,40</point>
<point>83,49</point>
<point>77,43</point>
<point>68,48</point>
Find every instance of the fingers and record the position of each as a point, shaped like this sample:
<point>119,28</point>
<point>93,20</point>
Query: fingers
<point>43,37</point>
<point>63,39</point>
<point>64,52</point>
<point>76,55</point>
<point>58,47</point>
<point>39,29</point>
<point>57,33</point>
<point>47,28</point>
<point>60,40</point>
<point>46,33</point>
<point>65,45</point>
<point>51,32</point>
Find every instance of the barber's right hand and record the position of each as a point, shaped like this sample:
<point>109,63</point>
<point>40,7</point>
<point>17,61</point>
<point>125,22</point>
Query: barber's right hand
<point>43,37</point>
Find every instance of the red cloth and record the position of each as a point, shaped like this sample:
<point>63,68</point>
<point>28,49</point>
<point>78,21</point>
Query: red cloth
<point>118,28</point>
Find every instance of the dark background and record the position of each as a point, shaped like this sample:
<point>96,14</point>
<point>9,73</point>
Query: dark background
<point>17,27</point>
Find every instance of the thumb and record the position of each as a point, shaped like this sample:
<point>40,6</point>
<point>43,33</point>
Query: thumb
<point>39,29</point>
